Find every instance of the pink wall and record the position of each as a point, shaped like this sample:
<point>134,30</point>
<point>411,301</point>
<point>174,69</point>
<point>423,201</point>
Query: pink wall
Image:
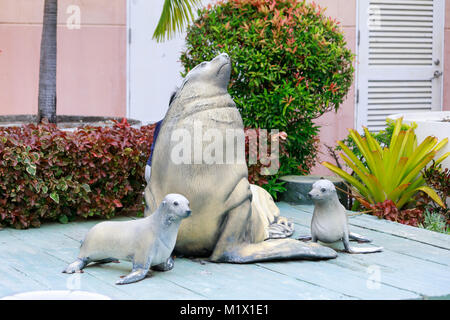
<point>446,103</point>
<point>92,62</point>
<point>334,125</point>
<point>91,74</point>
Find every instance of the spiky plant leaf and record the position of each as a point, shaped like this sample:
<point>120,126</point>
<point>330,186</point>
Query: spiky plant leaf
<point>175,15</point>
<point>390,173</point>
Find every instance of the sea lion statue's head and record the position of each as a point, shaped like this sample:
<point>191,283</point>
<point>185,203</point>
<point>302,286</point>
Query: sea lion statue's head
<point>176,206</point>
<point>211,75</point>
<point>322,190</point>
<point>204,87</point>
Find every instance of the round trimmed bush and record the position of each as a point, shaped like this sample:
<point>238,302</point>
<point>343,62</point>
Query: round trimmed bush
<point>290,65</point>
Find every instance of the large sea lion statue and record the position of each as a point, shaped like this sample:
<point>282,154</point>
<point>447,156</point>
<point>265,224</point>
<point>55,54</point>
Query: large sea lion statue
<point>225,225</point>
<point>147,243</point>
<point>329,223</point>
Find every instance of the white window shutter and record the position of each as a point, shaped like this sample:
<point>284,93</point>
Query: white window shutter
<point>400,59</point>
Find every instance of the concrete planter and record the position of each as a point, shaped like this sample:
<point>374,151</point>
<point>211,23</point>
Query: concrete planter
<point>430,124</point>
<point>299,186</point>
<point>68,123</point>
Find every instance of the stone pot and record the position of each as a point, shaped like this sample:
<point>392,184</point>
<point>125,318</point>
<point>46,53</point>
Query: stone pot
<point>64,122</point>
<point>299,186</point>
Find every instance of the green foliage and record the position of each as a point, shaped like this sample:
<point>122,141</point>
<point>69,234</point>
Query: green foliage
<point>383,137</point>
<point>435,222</point>
<point>260,174</point>
<point>290,66</point>
<point>175,14</point>
<point>50,174</point>
<point>389,173</point>
<point>437,178</point>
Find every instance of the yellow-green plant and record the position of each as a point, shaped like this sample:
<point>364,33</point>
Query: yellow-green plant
<point>390,173</point>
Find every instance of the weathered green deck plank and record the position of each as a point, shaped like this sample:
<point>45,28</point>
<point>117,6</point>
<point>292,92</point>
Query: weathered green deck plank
<point>62,250</point>
<point>154,287</point>
<point>14,281</point>
<point>394,228</point>
<point>45,270</point>
<point>299,290</point>
<point>346,268</point>
<point>407,268</point>
<point>339,279</point>
<point>48,235</point>
<point>403,270</point>
<point>231,281</point>
<point>392,242</point>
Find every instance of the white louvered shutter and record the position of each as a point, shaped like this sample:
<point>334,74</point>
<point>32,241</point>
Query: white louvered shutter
<point>400,59</point>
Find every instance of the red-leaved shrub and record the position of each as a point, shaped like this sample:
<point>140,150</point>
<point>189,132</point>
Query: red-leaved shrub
<point>258,145</point>
<point>389,211</point>
<point>47,174</point>
<point>50,174</point>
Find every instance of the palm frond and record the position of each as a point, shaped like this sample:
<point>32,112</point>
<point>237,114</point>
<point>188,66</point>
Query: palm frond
<point>175,15</point>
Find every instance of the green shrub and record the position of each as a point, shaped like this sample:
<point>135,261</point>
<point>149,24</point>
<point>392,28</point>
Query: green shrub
<point>50,174</point>
<point>437,178</point>
<point>434,221</point>
<point>290,65</point>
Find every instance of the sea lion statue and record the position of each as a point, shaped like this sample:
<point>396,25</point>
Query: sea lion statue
<point>147,242</point>
<point>225,225</point>
<point>329,223</point>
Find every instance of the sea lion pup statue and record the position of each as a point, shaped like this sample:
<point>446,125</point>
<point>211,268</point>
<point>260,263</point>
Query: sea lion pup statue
<point>147,242</point>
<point>329,223</point>
<point>225,225</point>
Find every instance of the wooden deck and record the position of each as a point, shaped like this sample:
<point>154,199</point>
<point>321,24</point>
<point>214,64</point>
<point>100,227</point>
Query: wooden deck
<point>414,265</point>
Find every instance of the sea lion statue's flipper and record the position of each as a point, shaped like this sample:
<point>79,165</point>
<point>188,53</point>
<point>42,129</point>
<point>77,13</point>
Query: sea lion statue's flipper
<point>237,243</point>
<point>135,275</point>
<point>357,250</point>
<point>357,237</point>
<point>77,266</point>
<point>276,226</point>
<point>107,260</point>
<point>277,249</point>
<point>281,228</point>
<point>139,271</point>
<point>304,238</point>
<point>166,266</point>
<point>352,237</point>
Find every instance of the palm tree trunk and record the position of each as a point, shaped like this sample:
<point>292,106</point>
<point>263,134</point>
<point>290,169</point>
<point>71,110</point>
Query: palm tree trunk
<point>47,66</point>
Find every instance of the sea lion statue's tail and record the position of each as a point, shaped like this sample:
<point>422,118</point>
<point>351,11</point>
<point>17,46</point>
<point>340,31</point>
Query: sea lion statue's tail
<point>275,226</point>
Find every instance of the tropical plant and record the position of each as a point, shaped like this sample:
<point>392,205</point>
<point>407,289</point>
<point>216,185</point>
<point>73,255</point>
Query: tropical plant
<point>389,173</point>
<point>383,137</point>
<point>47,65</point>
<point>175,14</point>
<point>389,211</point>
<point>435,222</point>
<point>290,65</point>
<point>437,178</point>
